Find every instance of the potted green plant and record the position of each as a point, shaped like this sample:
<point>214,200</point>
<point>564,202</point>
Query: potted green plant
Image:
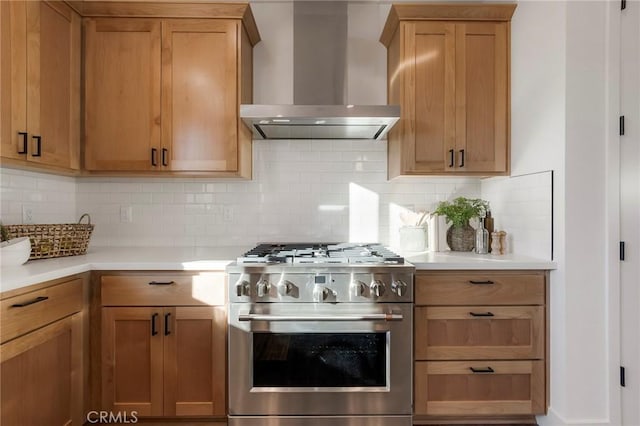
<point>461,235</point>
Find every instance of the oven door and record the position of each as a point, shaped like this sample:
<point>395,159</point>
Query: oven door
<point>320,359</point>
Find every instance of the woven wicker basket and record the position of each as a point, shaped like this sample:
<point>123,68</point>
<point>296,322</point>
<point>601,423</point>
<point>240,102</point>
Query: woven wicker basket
<point>55,240</point>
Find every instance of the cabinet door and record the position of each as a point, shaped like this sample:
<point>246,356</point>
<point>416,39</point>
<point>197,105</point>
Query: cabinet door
<point>199,95</point>
<point>473,388</point>
<point>479,332</point>
<point>482,97</point>
<point>13,79</point>
<point>122,94</point>
<point>53,84</point>
<point>41,377</point>
<point>132,360</point>
<point>429,94</point>
<point>195,361</point>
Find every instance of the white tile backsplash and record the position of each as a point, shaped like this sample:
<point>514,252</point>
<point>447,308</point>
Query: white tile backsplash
<point>522,206</point>
<point>301,190</point>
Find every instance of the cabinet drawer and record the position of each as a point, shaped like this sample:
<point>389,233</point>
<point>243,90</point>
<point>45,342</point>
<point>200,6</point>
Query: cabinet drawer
<point>479,332</point>
<point>162,290</point>
<point>479,387</point>
<point>29,311</point>
<point>480,288</point>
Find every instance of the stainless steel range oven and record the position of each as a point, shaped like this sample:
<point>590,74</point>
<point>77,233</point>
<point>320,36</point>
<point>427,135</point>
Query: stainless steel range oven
<point>313,342</point>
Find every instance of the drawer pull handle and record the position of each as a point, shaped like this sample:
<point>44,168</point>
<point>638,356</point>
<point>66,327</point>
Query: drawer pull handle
<point>482,370</point>
<point>481,314</point>
<point>30,302</point>
<point>153,324</point>
<point>162,282</point>
<point>481,282</point>
<point>166,324</point>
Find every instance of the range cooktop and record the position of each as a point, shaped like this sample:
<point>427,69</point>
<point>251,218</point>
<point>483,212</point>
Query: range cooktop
<point>325,253</point>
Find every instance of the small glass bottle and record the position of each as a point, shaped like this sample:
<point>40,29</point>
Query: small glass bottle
<point>482,238</point>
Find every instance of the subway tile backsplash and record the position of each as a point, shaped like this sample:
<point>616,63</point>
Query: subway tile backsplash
<point>301,190</point>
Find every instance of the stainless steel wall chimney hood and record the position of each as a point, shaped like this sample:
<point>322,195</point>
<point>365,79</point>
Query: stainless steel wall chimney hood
<point>320,109</point>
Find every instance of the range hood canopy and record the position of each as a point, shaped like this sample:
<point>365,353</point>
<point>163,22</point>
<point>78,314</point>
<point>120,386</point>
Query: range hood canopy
<point>320,109</point>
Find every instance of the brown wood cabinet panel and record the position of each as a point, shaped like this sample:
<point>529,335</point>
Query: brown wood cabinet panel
<point>132,369</point>
<point>482,80</point>
<point>41,377</point>
<point>40,84</point>
<point>199,93</point>
<point>482,332</point>
<point>451,64</point>
<point>39,308</point>
<point>195,360</point>
<point>495,388</point>
<point>474,288</point>
<point>207,288</point>
<point>122,94</point>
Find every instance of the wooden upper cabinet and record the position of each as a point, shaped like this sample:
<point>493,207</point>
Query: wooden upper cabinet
<point>162,94</point>
<point>448,69</point>
<point>40,114</point>
<point>122,94</point>
<point>199,95</point>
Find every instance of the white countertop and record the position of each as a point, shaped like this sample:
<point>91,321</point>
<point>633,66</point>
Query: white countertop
<point>468,261</point>
<point>216,259</point>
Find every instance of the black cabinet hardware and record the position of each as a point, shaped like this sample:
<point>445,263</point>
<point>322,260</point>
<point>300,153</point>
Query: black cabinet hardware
<point>154,157</point>
<point>30,302</point>
<point>487,282</point>
<point>38,152</point>
<point>165,151</point>
<point>166,324</point>
<point>24,142</point>
<point>161,282</point>
<point>462,158</point>
<point>451,155</point>
<point>481,314</point>
<point>482,370</point>
<point>154,332</point>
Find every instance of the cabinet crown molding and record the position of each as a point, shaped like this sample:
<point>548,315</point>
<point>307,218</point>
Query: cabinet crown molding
<point>444,12</point>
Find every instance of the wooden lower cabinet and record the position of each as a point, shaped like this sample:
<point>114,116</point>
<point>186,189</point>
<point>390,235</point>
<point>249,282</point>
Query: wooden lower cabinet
<point>481,350</point>
<point>164,361</point>
<point>44,353</point>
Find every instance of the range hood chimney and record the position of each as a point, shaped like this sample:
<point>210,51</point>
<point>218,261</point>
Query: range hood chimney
<point>321,109</point>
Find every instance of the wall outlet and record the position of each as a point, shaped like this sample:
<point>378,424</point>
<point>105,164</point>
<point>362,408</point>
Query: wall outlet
<point>27,215</point>
<point>227,214</point>
<point>126,214</point>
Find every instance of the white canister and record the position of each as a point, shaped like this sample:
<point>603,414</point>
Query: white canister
<point>413,238</point>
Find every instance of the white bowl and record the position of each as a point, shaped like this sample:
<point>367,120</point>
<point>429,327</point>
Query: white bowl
<point>15,252</point>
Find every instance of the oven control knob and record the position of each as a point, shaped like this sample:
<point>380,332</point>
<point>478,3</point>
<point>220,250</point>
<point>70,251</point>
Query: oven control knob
<point>399,287</point>
<point>242,288</point>
<point>377,288</point>
<point>321,293</point>
<point>356,288</point>
<point>263,287</point>
<point>285,287</point>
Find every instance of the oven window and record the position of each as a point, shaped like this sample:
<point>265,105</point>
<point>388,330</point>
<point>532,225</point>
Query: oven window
<point>319,359</point>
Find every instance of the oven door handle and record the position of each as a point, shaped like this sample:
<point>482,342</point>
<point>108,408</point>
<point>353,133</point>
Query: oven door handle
<point>322,318</point>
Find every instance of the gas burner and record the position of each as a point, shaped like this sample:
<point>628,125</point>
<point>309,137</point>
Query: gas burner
<point>321,253</point>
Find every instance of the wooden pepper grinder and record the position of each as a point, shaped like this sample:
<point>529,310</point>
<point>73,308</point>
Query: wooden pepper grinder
<point>503,242</point>
<point>495,242</point>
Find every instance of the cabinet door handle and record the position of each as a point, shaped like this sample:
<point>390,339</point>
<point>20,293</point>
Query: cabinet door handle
<point>165,151</point>
<point>462,158</point>
<point>481,314</point>
<point>38,152</point>
<point>482,370</point>
<point>451,155</point>
<point>161,282</point>
<point>30,302</point>
<point>25,136</point>
<point>166,324</point>
<point>153,324</point>
<point>487,282</point>
<point>154,156</point>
